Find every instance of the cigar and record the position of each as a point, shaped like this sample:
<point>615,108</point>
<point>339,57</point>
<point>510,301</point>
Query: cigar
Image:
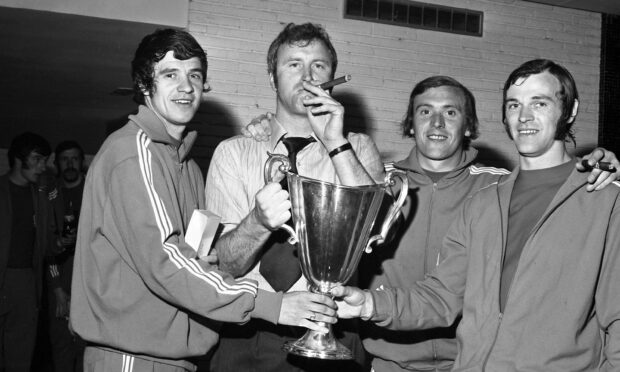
<point>331,83</point>
<point>602,165</point>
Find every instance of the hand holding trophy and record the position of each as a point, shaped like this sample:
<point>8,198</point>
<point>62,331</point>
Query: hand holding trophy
<point>332,224</point>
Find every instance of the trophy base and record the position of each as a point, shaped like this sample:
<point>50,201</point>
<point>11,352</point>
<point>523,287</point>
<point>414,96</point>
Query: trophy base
<point>318,345</point>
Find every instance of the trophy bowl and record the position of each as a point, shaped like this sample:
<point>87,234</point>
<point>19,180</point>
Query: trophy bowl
<point>332,225</point>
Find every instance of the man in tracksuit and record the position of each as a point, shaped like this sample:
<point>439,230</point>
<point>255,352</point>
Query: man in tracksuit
<point>140,296</point>
<point>442,172</point>
<point>531,261</point>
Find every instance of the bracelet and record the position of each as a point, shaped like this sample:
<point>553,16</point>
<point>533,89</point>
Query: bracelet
<point>338,150</point>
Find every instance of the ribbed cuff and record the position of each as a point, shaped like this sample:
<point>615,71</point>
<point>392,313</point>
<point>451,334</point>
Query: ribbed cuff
<point>267,306</point>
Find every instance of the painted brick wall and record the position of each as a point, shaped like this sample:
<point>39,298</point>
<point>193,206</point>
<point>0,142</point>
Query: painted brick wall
<point>386,62</point>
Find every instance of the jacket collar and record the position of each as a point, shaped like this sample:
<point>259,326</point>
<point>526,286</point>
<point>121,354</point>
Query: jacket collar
<point>575,180</point>
<point>154,128</point>
<point>412,163</point>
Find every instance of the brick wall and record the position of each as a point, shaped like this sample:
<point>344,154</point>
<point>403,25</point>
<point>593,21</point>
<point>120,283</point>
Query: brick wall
<point>386,62</point>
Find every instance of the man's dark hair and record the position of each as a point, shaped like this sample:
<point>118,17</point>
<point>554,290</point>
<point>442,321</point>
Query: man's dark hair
<point>301,36</point>
<point>153,48</point>
<point>24,144</point>
<point>471,118</point>
<point>67,145</point>
<point>567,94</point>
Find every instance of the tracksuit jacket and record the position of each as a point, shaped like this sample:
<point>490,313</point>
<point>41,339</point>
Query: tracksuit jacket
<point>138,288</point>
<point>428,212</point>
<point>563,306</point>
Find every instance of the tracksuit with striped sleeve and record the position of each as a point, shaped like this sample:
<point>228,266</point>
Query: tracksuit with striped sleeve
<point>138,288</point>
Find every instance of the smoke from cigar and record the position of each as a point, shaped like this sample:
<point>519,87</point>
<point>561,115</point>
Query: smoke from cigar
<point>331,83</point>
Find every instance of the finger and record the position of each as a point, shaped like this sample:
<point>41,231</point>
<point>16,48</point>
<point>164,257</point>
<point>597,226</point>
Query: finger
<point>280,196</point>
<point>314,326</point>
<point>277,177</point>
<point>211,259</point>
<point>326,311</point>
<point>594,175</point>
<point>265,126</point>
<point>272,188</point>
<point>601,182</point>
<point>337,291</point>
<point>325,318</point>
<point>326,307</point>
<point>597,155</point>
<point>340,291</point>
<point>268,126</point>
<point>283,218</point>
<point>252,129</point>
<point>325,110</point>
<point>324,303</point>
<point>317,101</point>
<point>579,165</point>
<point>314,89</point>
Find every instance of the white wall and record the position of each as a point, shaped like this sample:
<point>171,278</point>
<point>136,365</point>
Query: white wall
<point>387,61</point>
<point>161,12</point>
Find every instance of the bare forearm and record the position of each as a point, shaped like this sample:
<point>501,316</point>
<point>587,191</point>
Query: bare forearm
<point>350,170</point>
<point>238,249</point>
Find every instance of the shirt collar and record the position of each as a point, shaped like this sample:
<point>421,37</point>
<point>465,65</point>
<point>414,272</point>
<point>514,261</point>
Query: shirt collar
<point>278,132</point>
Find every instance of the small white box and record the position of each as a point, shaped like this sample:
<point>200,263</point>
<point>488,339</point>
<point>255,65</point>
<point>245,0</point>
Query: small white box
<point>201,231</point>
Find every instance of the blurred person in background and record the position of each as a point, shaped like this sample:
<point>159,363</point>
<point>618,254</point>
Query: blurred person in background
<point>26,237</point>
<point>67,348</point>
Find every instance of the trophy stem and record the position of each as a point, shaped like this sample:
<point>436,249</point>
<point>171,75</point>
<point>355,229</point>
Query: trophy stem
<point>314,344</point>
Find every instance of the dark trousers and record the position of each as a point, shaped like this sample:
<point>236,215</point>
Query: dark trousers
<point>257,346</point>
<point>18,324</point>
<point>67,349</point>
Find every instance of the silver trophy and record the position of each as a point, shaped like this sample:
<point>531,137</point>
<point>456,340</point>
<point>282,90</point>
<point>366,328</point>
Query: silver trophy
<point>332,227</point>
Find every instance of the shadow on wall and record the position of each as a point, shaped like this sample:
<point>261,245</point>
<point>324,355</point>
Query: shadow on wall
<point>356,117</point>
<point>214,123</point>
<point>492,157</point>
<point>113,125</point>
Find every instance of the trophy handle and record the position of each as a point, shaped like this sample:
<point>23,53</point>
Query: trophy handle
<point>284,167</point>
<point>394,208</point>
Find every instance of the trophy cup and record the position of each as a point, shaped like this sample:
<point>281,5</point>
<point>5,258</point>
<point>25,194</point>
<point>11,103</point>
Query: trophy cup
<point>332,227</point>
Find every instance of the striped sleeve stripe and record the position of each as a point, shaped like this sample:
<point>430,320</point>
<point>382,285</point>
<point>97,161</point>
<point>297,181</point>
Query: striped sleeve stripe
<point>492,170</point>
<point>127,365</point>
<point>388,166</point>
<point>54,271</point>
<point>616,183</point>
<point>165,228</point>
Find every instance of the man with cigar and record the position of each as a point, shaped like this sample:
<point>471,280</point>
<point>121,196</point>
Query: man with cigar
<point>530,261</point>
<point>308,126</point>
<point>141,297</point>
